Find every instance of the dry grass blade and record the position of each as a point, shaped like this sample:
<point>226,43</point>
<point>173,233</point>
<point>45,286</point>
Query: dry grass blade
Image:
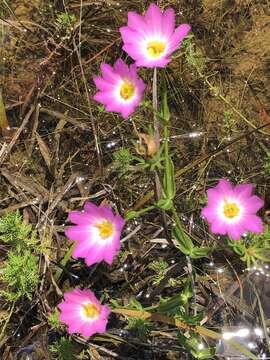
<point>44,150</point>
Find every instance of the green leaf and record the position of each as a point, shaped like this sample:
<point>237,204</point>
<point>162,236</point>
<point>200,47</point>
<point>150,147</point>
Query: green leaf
<point>171,304</point>
<point>199,252</point>
<point>165,204</point>
<point>134,303</point>
<point>169,179</point>
<point>184,242</point>
<point>132,214</point>
<point>165,107</point>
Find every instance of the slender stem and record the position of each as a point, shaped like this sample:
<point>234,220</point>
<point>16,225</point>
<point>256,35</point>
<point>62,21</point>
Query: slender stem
<point>191,272</point>
<point>158,187</point>
<point>155,108</point>
<point>4,125</point>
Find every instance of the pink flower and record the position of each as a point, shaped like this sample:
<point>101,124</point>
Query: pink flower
<point>121,89</point>
<point>82,313</point>
<point>97,233</point>
<point>151,39</point>
<point>232,209</point>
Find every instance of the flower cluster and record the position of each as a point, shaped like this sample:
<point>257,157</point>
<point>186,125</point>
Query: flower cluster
<point>96,233</point>
<point>148,39</point>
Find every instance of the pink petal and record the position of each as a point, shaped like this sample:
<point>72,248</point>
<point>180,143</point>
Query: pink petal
<point>109,74</point>
<point>215,196</point>
<point>235,231</point>
<point>102,84</point>
<point>168,22</point>
<point>153,18</point>
<point>243,190</point>
<point>209,212</point>
<point>133,51</point>
<point>130,36</point>
<point>136,22</point>
<point>160,63</point>
<point>253,204</point>
<point>224,186</point>
<point>254,224</point>
<point>121,68</point>
<point>218,227</point>
<point>179,34</point>
<point>90,207</point>
<point>78,233</point>
<point>78,217</point>
<point>104,97</point>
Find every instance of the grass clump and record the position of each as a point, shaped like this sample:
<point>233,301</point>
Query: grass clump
<point>122,160</point>
<point>266,166</point>
<point>64,349</point>
<point>139,327</point>
<point>159,267</point>
<point>20,271</point>
<point>21,275</point>
<point>14,231</point>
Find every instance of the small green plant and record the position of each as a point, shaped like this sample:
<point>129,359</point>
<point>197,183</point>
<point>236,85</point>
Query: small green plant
<point>54,320</point>
<point>21,275</point>
<point>122,160</point>
<point>66,22</point>
<point>139,327</point>
<point>228,120</point>
<point>193,55</point>
<point>16,232</point>
<point>64,349</point>
<point>266,165</point>
<point>196,346</point>
<point>255,248</point>
<point>20,271</point>
<point>159,267</point>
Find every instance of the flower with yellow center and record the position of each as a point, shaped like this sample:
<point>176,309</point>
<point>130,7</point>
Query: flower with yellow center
<point>105,229</point>
<point>97,233</point>
<point>155,49</point>
<point>91,311</point>
<point>83,313</point>
<point>150,39</point>
<point>230,210</point>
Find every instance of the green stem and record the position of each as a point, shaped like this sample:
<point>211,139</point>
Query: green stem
<point>4,125</point>
<point>64,262</point>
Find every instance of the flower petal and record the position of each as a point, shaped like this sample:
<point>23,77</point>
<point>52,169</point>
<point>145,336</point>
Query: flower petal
<point>179,34</point>
<point>254,223</point>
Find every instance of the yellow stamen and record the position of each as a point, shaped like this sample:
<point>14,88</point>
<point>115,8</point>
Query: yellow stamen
<point>105,229</point>
<point>127,90</point>
<point>90,310</point>
<point>230,210</point>
<point>155,48</point>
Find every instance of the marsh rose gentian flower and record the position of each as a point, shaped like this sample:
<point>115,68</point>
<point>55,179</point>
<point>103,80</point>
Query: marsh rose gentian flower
<point>232,210</point>
<point>151,39</point>
<point>97,233</point>
<point>82,313</point>
<point>121,90</point>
